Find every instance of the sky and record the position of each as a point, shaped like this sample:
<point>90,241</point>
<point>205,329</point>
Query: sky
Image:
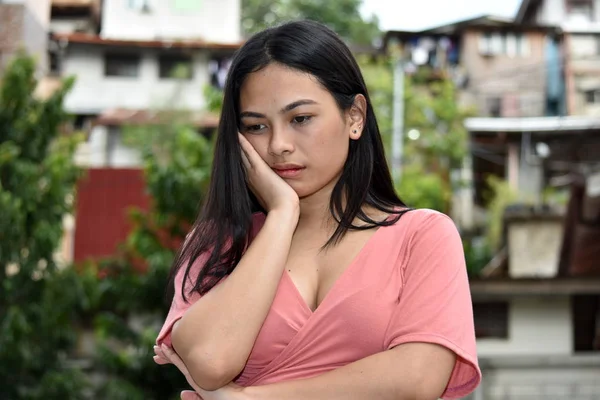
<point>422,14</point>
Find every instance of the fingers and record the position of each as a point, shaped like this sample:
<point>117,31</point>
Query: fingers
<point>159,357</point>
<point>178,362</point>
<point>172,356</point>
<point>245,161</point>
<point>161,361</point>
<point>243,148</point>
<point>189,395</point>
<point>248,152</point>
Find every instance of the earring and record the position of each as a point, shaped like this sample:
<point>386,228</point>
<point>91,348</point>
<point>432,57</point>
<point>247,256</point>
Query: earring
<point>354,131</point>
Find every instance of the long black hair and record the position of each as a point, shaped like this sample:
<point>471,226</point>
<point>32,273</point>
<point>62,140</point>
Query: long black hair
<point>222,230</point>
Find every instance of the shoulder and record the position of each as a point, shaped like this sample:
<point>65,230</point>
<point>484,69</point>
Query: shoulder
<point>425,236</point>
<point>421,222</point>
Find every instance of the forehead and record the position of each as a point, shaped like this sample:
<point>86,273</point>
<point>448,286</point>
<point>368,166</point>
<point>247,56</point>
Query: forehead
<point>277,85</point>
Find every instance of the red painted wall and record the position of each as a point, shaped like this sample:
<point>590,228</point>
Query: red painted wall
<point>104,196</point>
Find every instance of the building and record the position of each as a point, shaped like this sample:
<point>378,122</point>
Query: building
<point>579,20</point>
<point>24,25</point>
<point>132,60</point>
<point>503,68</point>
<point>537,321</point>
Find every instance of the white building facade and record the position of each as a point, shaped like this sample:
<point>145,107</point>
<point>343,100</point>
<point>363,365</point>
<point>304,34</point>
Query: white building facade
<point>147,55</point>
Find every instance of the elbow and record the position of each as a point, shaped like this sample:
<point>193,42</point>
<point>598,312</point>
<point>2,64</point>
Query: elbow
<point>209,367</point>
<point>210,371</point>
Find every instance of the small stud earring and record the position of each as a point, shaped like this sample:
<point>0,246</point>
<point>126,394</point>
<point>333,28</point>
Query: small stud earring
<point>354,131</point>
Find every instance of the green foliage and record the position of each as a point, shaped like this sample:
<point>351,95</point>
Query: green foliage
<point>478,254</point>
<point>37,180</point>
<point>434,111</point>
<point>501,195</point>
<point>343,16</point>
<point>378,76</point>
<point>431,108</point>
<point>214,99</point>
<point>131,306</point>
<point>422,189</point>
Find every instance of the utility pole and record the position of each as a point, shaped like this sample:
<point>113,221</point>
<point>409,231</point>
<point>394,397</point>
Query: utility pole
<point>398,119</point>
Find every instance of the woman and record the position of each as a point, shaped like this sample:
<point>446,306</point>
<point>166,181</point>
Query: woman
<point>333,289</point>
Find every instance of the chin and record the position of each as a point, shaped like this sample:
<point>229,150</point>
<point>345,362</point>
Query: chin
<point>300,189</point>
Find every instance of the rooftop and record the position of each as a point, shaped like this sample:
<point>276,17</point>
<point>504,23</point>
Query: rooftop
<point>85,38</point>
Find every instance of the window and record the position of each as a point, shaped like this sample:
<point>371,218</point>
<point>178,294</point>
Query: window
<point>508,44</point>
<point>592,96</point>
<point>491,320</point>
<point>580,10</point>
<point>139,5</point>
<point>494,106</point>
<point>121,65</point>
<point>175,66</point>
<point>186,5</point>
<point>586,322</point>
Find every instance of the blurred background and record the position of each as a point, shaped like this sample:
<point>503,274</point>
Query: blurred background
<point>108,110</point>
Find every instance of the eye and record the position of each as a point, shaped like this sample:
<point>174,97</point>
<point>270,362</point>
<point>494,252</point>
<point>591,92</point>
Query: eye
<point>254,128</point>
<point>301,119</point>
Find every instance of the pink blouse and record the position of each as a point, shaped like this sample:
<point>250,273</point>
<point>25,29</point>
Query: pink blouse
<point>408,284</point>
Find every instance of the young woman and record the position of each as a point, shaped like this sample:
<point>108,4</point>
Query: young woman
<point>305,276</point>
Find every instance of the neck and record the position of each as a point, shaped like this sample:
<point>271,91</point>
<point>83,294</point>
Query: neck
<point>314,211</point>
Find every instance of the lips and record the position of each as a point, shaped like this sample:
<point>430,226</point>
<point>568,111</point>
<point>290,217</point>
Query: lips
<point>288,170</point>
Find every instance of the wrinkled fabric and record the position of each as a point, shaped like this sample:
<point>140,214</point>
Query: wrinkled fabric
<point>407,284</point>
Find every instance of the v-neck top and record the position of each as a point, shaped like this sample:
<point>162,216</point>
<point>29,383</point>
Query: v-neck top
<point>407,284</point>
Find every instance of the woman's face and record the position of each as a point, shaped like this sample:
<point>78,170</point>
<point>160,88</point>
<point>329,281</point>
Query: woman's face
<point>296,127</point>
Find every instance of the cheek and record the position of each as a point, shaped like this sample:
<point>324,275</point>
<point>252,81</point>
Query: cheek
<point>260,145</point>
<point>330,151</point>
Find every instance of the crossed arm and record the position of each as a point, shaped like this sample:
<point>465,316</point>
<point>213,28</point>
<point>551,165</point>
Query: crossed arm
<point>413,371</point>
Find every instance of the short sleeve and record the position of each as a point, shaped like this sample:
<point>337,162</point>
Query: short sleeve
<point>435,302</point>
<point>179,306</point>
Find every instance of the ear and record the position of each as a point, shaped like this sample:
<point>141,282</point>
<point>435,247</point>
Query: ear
<point>357,117</point>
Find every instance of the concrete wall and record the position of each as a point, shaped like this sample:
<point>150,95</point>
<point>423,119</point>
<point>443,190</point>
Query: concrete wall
<point>518,80</point>
<point>584,63</point>
<point>536,327</point>
<point>24,25</point>
<point>11,31</point>
<point>534,247</point>
<point>94,92</point>
<point>540,378</point>
<point>36,28</point>
<point>210,20</point>
<point>105,148</point>
<point>551,12</point>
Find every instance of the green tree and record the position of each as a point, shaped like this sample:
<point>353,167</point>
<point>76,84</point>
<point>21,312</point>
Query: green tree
<point>37,181</point>
<point>343,16</point>
<point>130,297</point>
<point>438,141</point>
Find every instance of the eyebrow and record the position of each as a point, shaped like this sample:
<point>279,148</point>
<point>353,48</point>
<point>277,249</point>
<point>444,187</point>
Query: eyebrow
<point>288,108</point>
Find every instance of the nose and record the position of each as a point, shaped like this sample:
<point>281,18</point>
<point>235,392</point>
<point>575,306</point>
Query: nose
<point>281,142</point>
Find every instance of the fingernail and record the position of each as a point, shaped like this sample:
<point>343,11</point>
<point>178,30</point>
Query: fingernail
<point>187,395</point>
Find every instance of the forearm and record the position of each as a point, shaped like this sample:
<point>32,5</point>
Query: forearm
<point>380,376</point>
<point>219,330</point>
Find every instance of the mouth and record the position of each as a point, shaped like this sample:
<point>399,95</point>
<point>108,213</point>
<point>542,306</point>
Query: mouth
<point>291,171</point>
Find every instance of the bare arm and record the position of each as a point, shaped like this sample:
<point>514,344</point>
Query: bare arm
<point>413,371</point>
<point>216,334</point>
